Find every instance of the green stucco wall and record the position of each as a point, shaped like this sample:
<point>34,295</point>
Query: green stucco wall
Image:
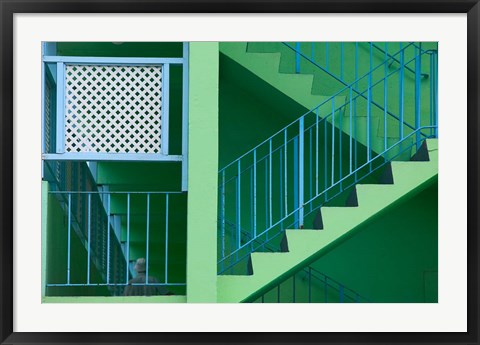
<point>392,259</point>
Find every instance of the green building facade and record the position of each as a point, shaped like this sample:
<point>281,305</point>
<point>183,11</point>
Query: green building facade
<point>281,172</point>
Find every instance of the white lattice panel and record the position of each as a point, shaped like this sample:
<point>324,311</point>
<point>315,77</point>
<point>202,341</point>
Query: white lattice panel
<point>113,109</point>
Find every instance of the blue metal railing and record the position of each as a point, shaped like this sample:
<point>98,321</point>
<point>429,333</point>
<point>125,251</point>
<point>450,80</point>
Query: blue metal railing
<point>91,217</point>
<point>290,175</point>
<point>308,51</point>
<point>310,286</point>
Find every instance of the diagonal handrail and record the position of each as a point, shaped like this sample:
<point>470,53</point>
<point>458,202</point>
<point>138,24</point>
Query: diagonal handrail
<point>304,180</point>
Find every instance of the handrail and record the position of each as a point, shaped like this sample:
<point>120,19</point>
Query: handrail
<point>297,209</point>
<point>424,75</point>
<point>358,79</point>
<point>313,275</point>
<point>324,102</point>
<point>299,168</point>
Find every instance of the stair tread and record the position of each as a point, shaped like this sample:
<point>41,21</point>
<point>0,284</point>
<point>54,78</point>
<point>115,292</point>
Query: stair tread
<point>306,245</point>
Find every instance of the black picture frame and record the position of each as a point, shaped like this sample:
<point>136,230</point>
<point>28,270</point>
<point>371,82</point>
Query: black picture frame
<point>9,7</point>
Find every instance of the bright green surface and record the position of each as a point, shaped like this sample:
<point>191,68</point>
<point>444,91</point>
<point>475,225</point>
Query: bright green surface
<point>307,246</point>
<point>387,261</point>
<point>203,168</point>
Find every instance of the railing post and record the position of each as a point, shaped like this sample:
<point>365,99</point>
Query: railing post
<point>341,293</point>
<point>222,220</point>
<point>60,128</point>
<point>297,57</point>
<point>147,252</point>
<point>295,179</point>
<point>369,105</point>
<point>254,194</point>
<point>69,235</point>
<point>166,236</point>
<point>418,68</point>
<point>165,108</point>
<point>89,241</point>
<point>185,90</point>
<point>435,86</point>
<point>301,166</point>
<point>238,206</point>
<point>385,99</point>
<point>401,91</point>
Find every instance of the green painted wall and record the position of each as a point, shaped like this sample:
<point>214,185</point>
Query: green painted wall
<point>203,169</point>
<point>392,259</point>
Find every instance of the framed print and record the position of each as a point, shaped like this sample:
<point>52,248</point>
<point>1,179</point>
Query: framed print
<point>237,172</point>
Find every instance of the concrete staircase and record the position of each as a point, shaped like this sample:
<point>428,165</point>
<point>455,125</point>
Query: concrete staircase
<point>269,63</point>
<point>339,223</point>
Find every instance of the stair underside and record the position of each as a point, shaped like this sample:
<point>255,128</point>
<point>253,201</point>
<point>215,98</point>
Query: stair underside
<point>306,246</point>
<point>298,87</point>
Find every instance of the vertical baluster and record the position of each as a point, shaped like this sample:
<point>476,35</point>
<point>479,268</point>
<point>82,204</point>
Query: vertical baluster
<point>385,99</point>
<point>313,51</point>
<point>369,106</point>
<point>285,143</point>
<point>297,57</point>
<point>270,178</point>
<point>432,131</point>
<point>333,141</point>
<point>166,236</point>
<point>254,194</point>
<point>147,252</point>
<point>239,190</point>
<point>301,173</point>
<point>128,238</point>
<point>355,107</point>
<point>89,243</point>
<point>278,293</point>
<point>266,199</point>
<point>280,179</point>
<point>108,237</point>
<point>311,167</point>
<point>351,130</point>
<point>341,293</point>
<point>418,70</point>
<point>401,91</point>
<point>69,236</point>
<point>252,206</point>
<point>316,153</point>
<point>296,182</point>
<point>436,94</point>
<point>340,134</point>
<point>223,220</point>
<point>325,156</point>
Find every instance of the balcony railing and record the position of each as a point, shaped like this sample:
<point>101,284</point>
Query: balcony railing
<point>335,145</point>
<point>112,229</point>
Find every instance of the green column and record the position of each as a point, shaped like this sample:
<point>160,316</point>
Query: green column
<point>202,172</point>
<point>44,235</point>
